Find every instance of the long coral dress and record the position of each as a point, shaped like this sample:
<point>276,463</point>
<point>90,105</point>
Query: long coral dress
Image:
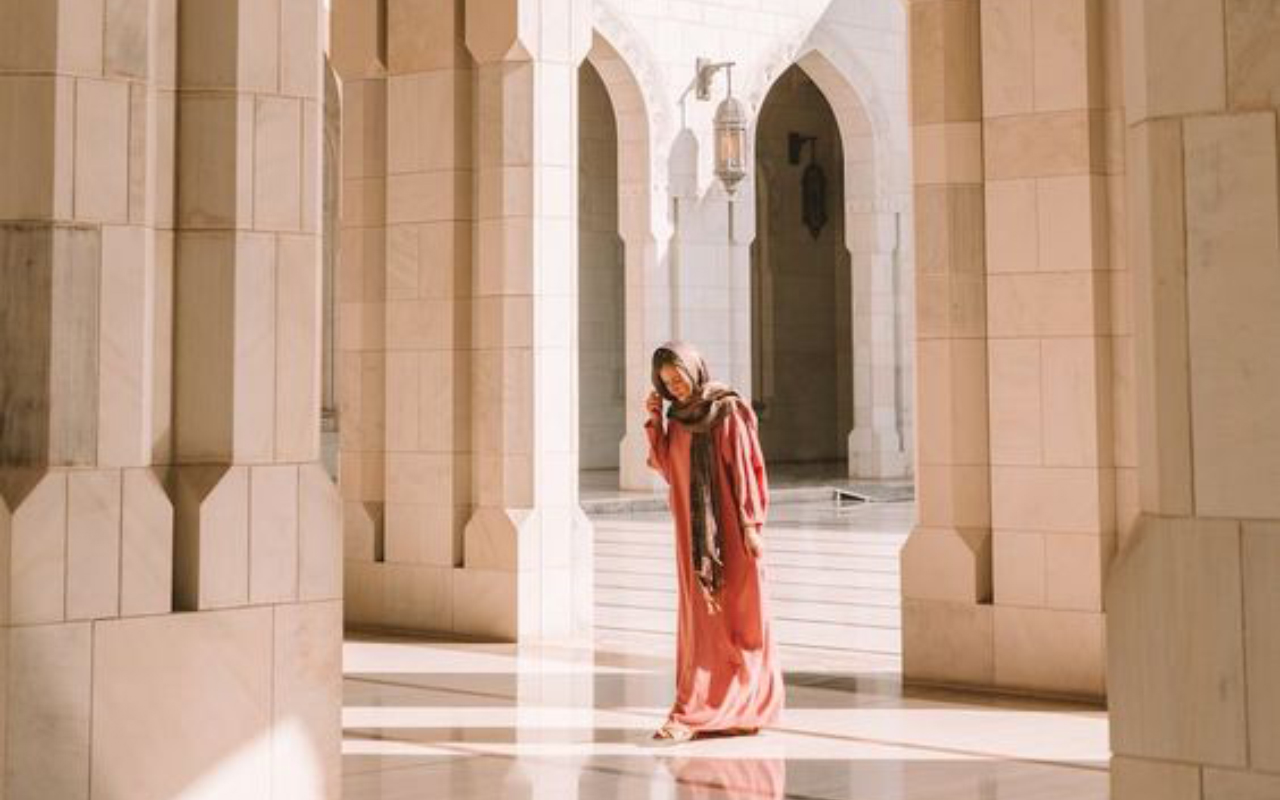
<point>727,673</point>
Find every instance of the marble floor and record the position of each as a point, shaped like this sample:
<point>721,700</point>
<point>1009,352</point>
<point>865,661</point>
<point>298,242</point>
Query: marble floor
<point>488,721</point>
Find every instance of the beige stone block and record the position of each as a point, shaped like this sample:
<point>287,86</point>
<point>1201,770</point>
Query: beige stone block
<point>1068,55</point>
<point>947,153</point>
<point>1047,304</point>
<point>1221,784</point>
<point>425,35</point>
<point>402,596</point>
<point>1072,223</point>
<point>404,382</point>
<point>1051,651</point>
<point>126,328</point>
<point>410,475</point>
<point>49,686</point>
<point>1260,551</point>
<point>1128,506</point>
<point>165,144</point>
<point>313,167</point>
<point>1162,358</point>
<point>1177,681</point>
<point>1076,388</point>
<point>953,496</point>
<point>1137,778</point>
<point>944,564</point>
<point>359,531</point>
<point>484,603</point>
<point>1233,288</point>
<point>273,534</point>
<point>28,36</point>
<point>356,52</point>
<point>93,544</point>
<point>300,48</point>
<point>307,701</point>
<point>1012,226</point>
<point>204,682</point>
<point>948,642</point>
<point>1252,61</point>
<point>1017,416</point>
<point>146,546</point>
<point>37,142</point>
<point>202,352</point>
<point>1018,568</point>
<point>80,39</point>
<point>320,547</point>
<point>297,379</point>
<point>1176,63</point>
<point>945,61</point>
<point>126,41</point>
<point>37,552</point>
<point>1007,57</point>
<point>1057,499</point>
<point>1124,391</point>
<point>254,321</point>
<point>1075,570</point>
<point>214,161</point>
<point>1043,145</point>
<point>257,44</point>
<point>952,400</point>
<point>211,537</point>
<point>277,164</point>
<point>102,151</point>
<point>73,370</point>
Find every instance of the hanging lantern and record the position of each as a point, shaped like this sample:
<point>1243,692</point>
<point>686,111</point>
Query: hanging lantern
<point>731,143</point>
<point>813,199</point>
<point>730,125</point>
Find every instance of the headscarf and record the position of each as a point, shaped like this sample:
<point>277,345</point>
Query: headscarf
<point>708,404</point>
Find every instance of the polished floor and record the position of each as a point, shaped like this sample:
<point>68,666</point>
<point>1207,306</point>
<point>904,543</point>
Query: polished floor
<point>487,721</point>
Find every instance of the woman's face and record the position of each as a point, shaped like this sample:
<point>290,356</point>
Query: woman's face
<point>674,380</point>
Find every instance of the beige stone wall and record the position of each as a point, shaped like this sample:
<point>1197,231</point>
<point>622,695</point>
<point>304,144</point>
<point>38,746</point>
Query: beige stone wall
<point>159,361</point>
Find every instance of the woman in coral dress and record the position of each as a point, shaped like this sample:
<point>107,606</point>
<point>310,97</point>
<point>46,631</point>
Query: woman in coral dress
<point>728,680</point>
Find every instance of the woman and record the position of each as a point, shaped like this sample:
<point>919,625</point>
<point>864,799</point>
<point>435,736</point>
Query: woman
<point>728,679</point>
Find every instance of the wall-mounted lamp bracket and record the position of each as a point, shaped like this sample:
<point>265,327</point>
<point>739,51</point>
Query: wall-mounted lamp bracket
<point>707,70</point>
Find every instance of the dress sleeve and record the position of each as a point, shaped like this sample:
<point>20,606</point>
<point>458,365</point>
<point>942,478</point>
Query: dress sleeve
<point>656,430</point>
<point>744,461</point>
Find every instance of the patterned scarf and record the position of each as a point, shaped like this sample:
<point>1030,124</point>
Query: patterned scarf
<point>708,404</point>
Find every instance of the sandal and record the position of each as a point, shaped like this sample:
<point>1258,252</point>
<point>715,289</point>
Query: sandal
<point>673,732</point>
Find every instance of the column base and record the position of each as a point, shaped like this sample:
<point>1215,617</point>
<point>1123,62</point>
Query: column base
<point>878,454</point>
<point>634,474</point>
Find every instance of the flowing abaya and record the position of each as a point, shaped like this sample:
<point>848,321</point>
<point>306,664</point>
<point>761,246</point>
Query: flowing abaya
<point>727,673</point>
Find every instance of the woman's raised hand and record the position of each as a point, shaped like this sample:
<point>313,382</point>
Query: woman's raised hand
<point>653,404</point>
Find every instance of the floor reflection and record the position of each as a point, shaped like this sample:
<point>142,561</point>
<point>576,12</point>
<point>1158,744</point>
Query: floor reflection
<point>447,720</point>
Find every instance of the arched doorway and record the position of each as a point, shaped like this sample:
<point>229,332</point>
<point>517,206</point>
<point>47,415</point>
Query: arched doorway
<point>601,285</point>
<point>802,343</point>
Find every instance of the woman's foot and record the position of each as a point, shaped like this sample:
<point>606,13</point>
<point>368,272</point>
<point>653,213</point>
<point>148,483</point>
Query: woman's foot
<point>673,732</point>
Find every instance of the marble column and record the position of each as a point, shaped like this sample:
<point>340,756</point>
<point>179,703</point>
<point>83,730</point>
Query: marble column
<point>947,619</point>
<point>1049,346</point>
<point>109,692</point>
<point>1193,634</point>
<point>527,547</point>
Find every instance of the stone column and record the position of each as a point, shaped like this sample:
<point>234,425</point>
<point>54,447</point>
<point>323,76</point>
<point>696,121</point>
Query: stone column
<point>415,266</point>
<point>1193,635</point>
<point>947,619</point>
<point>527,548</point>
<point>107,688</point>
<point>1049,341</point>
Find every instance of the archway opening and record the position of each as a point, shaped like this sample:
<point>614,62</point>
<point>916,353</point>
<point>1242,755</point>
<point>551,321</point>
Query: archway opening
<point>802,343</point>
<point>601,286</point>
